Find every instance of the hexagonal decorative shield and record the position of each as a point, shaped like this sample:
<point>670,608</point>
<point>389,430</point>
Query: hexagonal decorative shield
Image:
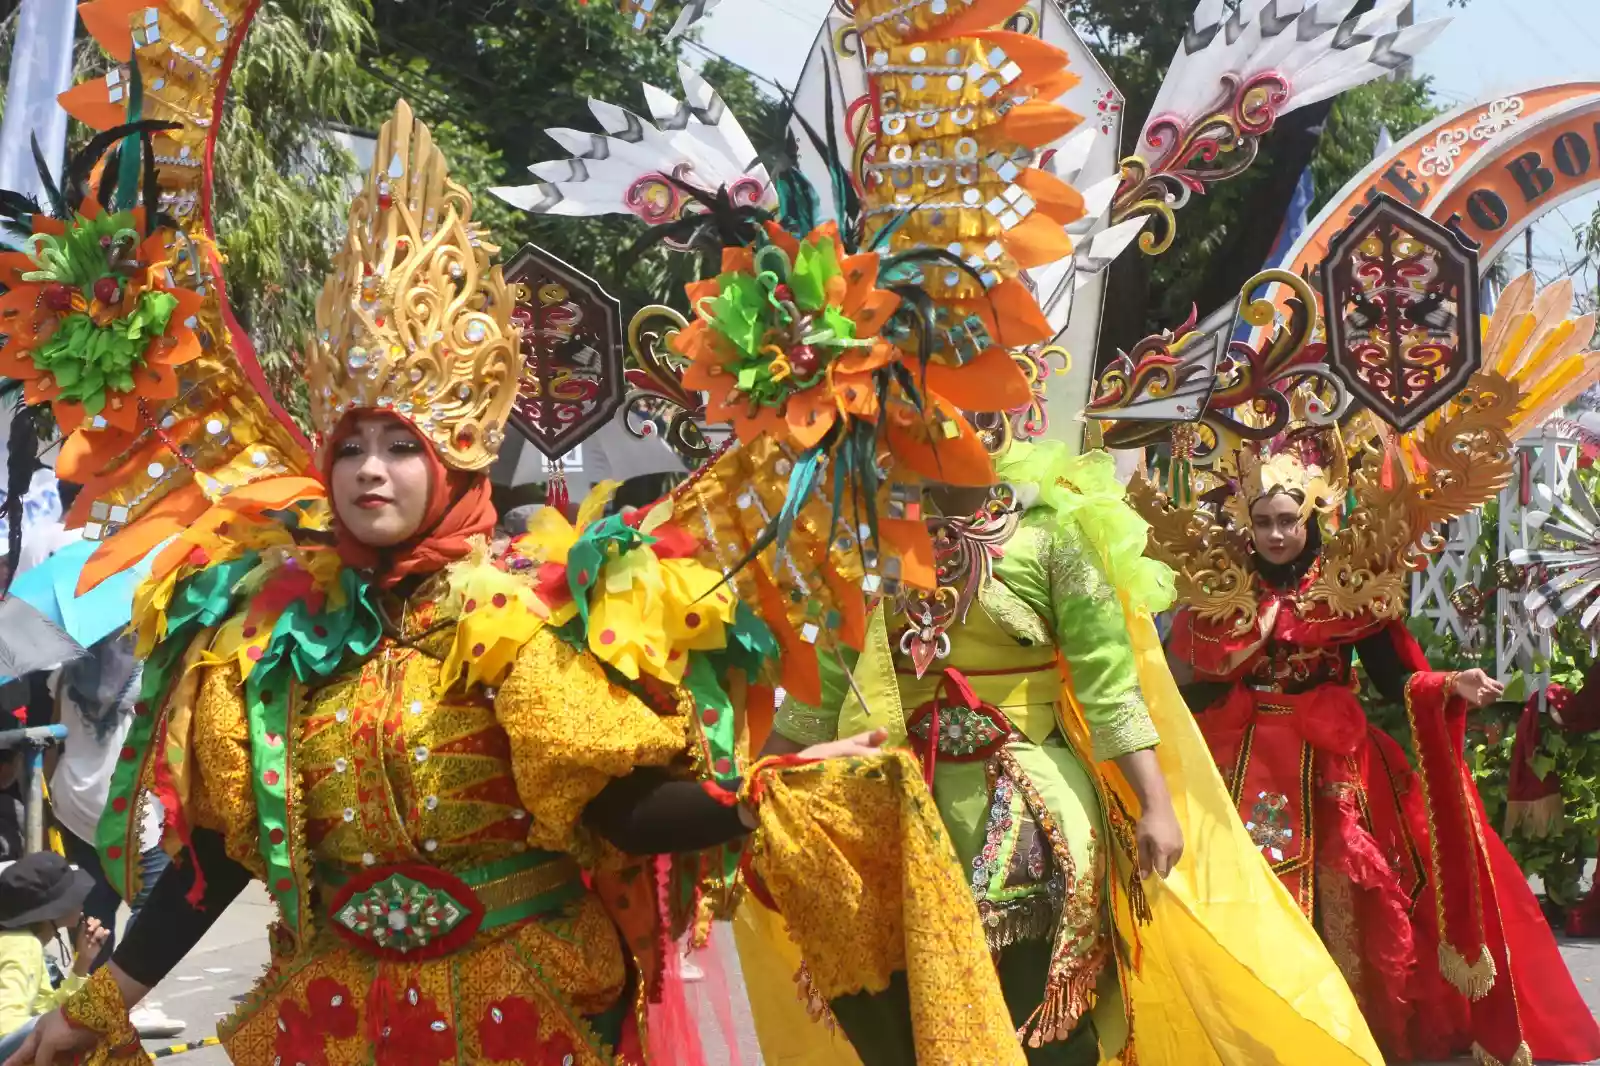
<point>572,334</point>
<point>1400,302</point>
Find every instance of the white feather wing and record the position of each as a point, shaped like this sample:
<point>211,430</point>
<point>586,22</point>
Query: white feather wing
<point>697,141</point>
<point>1318,50</point>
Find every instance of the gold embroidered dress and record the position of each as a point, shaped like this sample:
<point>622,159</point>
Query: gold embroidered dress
<point>389,778</point>
<point>487,786</point>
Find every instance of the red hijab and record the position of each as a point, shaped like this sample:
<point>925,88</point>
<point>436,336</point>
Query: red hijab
<point>460,506</point>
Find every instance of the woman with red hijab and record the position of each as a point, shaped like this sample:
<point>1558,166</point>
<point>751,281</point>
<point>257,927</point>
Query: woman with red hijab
<point>449,796</point>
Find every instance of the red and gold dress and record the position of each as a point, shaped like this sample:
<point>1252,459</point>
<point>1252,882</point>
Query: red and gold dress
<point>1417,899</point>
<point>435,826</point>
<point>1383,845</point>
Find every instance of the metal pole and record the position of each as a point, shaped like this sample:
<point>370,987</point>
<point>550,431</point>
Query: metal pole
<point>33,742</point>
<point>41,69</point>
<point>34,811</point>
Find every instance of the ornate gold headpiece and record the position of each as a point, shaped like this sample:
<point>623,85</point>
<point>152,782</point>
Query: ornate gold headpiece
<point>415,318</point>
<point>1319,489</point>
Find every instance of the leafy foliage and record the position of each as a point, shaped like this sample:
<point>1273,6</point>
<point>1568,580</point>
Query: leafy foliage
<point>283,179</point>
<point>1350,140</point>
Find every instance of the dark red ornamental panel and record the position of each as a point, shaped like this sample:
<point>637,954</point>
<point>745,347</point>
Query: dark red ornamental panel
<point>1400,301</point>
<point>572,334</point>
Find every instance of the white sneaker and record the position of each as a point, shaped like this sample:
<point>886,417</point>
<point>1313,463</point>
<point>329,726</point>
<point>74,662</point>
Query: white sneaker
<point>152,1023</point>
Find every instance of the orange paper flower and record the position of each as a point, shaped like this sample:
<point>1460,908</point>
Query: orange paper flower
<point>93,320</point>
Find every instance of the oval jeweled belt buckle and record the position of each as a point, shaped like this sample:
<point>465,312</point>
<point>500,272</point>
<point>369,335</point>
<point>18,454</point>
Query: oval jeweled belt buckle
<point>413,911</point>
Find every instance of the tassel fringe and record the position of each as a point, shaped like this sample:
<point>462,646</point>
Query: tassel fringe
<point>816,1006</point>
<point>1523,1056</point>
<point>1137,901</point>
<point>1536,818</point>
<point>556,494</point>
<point>1473,981</point>
<point>1067,998</point>
<point>1031,918</point>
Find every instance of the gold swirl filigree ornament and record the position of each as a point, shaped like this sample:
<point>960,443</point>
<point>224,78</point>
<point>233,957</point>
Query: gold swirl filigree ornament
<point>416,318</point>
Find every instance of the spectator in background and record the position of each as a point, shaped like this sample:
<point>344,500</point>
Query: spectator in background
<point>40,895</point>
<point>11,817</point>
<point>642,490</point>
<point>1534,802</point>
<point>94,697</point>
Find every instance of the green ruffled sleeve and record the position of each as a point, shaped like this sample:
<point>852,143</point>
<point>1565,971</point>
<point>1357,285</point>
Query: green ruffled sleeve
<point>1088,559</point>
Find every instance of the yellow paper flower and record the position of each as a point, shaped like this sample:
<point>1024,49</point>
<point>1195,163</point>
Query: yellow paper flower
<point>626,630</point>
<point>698,605</point>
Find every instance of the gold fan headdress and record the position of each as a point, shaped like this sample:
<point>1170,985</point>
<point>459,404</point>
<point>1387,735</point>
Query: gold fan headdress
<point>415,318</point>
<point>1404,486</point>
<point>1267,472</point>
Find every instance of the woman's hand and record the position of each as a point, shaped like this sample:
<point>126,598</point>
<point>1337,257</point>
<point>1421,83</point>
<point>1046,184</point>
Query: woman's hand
<point>1160,840</point>
<point>1158,836</point>
<point>91,938</point>
<point>53,1042</point>
<point>850,747</point>
<point>1477,688</point>
<point>861,744</point>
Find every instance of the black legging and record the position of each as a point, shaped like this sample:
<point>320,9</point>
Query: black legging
<point>879,1025</point>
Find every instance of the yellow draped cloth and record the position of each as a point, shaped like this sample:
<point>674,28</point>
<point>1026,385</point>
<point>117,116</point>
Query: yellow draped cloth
<point>1229,972</point>
<point>853,853</point>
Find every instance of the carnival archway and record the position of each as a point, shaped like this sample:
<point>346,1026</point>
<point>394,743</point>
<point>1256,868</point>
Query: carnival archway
<point>1487,171</point>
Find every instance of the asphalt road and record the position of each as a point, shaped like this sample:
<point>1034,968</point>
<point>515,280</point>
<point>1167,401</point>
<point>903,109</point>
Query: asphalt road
<point>217,974</point>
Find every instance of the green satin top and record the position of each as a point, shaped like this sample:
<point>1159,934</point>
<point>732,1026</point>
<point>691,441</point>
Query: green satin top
<point>1048,597</point>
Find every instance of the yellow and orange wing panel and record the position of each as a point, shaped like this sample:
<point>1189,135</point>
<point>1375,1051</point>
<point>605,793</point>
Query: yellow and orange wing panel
<point>158,459</point>
<point>962,108</point>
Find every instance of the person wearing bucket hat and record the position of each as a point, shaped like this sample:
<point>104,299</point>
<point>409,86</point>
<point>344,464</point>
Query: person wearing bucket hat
<point>39,895</point>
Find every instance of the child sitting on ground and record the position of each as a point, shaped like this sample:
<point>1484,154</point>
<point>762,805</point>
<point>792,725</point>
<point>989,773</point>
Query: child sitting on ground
<point>39,895</point>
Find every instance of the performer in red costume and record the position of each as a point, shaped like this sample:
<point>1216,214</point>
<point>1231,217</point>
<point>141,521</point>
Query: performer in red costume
<point>1418,901</point>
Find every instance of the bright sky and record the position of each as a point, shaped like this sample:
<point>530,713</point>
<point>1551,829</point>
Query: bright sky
<point>1493,47</point>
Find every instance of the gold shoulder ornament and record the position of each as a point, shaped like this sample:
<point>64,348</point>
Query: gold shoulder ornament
<point>1382,495</point>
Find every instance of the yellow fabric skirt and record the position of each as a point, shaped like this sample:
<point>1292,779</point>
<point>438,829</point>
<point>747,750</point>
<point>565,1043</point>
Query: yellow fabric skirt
<point>1230,972</point>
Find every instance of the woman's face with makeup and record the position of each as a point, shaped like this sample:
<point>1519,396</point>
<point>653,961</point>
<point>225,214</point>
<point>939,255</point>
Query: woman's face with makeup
<point>379,481</point>
<point>1277,528</point>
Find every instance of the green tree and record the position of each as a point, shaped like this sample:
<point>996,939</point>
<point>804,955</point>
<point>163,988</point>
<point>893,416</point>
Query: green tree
<point>1350,140</point>
<point>282,176</point>
<point>491,77</point>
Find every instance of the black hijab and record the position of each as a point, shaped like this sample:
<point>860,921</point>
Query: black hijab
<point>1288,575</point>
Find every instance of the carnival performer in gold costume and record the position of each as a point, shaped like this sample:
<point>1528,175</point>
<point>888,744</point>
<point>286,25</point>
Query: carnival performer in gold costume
<point>447,768</point>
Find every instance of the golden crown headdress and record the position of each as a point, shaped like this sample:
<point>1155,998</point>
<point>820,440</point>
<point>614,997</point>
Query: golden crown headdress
<point>415,318</point>
<point>1291,467</point>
